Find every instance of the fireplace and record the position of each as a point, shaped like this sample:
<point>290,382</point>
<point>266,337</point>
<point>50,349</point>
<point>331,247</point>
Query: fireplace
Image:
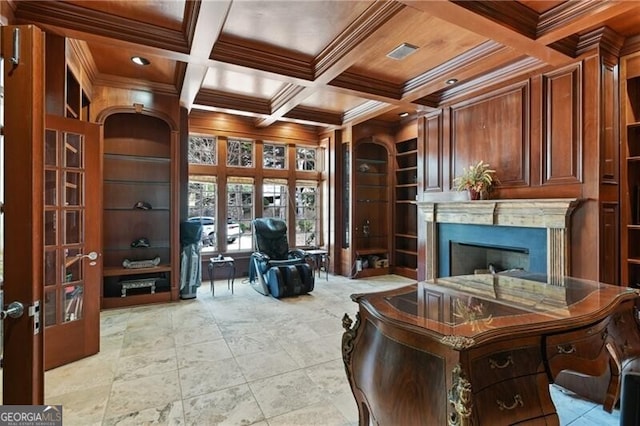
<point>463,248</point>
<point>538,228</point>
<point>465,259</point>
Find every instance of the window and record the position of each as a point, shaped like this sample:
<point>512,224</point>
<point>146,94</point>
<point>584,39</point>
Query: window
<point>202,150</point>
<point>274,156</point>
<point>274,198</point>
<point>232,231</point>
<point>240,193</point>
<point>306,213</point>
<point>202,207</point>
<point>239,152</point>
<point>305,158</point>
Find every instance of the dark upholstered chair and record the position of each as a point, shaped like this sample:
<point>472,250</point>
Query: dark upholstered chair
<point>275,269</point>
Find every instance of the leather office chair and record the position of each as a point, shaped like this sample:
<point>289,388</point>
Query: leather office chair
<point>275,269</point>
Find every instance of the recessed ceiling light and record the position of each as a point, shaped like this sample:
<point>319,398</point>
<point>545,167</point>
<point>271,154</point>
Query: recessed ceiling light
<point>452,81</point>
<point>139,60</point>
<point>402,51</point>
<point>403,114</point>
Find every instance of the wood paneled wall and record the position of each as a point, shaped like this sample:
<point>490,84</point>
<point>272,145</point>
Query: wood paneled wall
<point>550,135</point>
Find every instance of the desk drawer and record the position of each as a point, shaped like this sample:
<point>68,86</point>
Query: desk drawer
<point>505,365</point>
<point>513,401</point>
<point>581,350</point>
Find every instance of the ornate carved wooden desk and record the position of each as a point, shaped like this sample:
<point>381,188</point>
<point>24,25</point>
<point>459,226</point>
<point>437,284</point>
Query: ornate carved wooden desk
<point>482,349</point>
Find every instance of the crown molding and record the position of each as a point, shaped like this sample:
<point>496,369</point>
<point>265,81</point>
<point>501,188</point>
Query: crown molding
<point>126,83</point>
<point>323,118</point>
<point>520,67</point>
<point>71,16</point>
<point>366,84</point>
<point>261,56</point>
<point>603,38</point>
<point>510,14</point>
<point>467,59</point>
<point>232,101</point>
<point>364,26</point>
<point>631,45</point>
<point>286,94</point>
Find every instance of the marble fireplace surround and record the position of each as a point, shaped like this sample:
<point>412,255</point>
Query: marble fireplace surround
<point>554,214</point>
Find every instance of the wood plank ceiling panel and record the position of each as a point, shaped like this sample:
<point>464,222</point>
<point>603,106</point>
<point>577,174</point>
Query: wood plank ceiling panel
<point>437,42</point>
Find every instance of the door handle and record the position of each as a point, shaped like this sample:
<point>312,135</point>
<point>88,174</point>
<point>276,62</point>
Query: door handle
<point>92,256</point>
<point>13,310</point>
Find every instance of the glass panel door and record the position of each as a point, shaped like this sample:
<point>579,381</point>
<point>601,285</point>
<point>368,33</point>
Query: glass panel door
<point>72,276</point>
<point>64,227</point>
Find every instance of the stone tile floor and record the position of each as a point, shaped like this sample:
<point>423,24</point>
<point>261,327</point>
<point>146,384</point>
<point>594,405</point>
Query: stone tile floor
<point>242,359</point>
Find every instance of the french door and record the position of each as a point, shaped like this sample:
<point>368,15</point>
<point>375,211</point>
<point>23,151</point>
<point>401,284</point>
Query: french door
<point>72,271</point>
<point>51,219</point>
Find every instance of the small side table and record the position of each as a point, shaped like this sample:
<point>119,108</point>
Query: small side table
<point>225,262</point>
<point>320,260</point>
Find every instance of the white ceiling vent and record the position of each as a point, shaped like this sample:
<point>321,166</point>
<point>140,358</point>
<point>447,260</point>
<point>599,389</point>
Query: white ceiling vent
<point>402,51</point>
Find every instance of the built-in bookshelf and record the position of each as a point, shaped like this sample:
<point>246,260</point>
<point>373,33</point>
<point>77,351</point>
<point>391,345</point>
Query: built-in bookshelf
<point>405,233</point>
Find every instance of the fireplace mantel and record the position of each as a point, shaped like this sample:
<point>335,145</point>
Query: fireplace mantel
<point>554,214</point>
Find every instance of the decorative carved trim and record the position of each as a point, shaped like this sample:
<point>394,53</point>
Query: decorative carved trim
<point>348,338</point>
<point>458,342</point>
<point>460,398</point>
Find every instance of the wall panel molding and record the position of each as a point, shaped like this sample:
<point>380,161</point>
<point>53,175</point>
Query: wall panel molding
<point>562,126</point>
<point>430,132</point>
<point>494,128</point>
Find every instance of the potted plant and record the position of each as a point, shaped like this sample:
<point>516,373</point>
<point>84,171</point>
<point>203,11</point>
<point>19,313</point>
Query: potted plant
<point>477,180</point>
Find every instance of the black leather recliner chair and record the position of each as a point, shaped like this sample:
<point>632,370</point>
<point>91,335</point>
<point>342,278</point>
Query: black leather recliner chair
<point>275,269</point>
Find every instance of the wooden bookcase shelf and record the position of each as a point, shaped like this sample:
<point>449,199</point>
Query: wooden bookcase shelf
<point>405,241</point>
<point>137,185</point>
<point>371,212</point>
<point>630,169</point>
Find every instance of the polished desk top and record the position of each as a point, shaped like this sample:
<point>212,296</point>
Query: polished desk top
<point>485,306</point>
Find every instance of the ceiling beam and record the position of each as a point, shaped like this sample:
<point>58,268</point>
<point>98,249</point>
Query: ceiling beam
<point>570,18</point>
<point>341,54</point>
<point>209,22</point>
<point>77,18</point>
<point>458,15</point>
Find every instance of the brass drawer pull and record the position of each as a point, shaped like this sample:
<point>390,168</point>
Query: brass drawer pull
<point>566,349</point>
<point>496,364</point>
<point>517,402</point>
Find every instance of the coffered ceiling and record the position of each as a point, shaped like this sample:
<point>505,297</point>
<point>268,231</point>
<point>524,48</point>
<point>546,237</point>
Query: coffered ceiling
<point>325,62</point>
